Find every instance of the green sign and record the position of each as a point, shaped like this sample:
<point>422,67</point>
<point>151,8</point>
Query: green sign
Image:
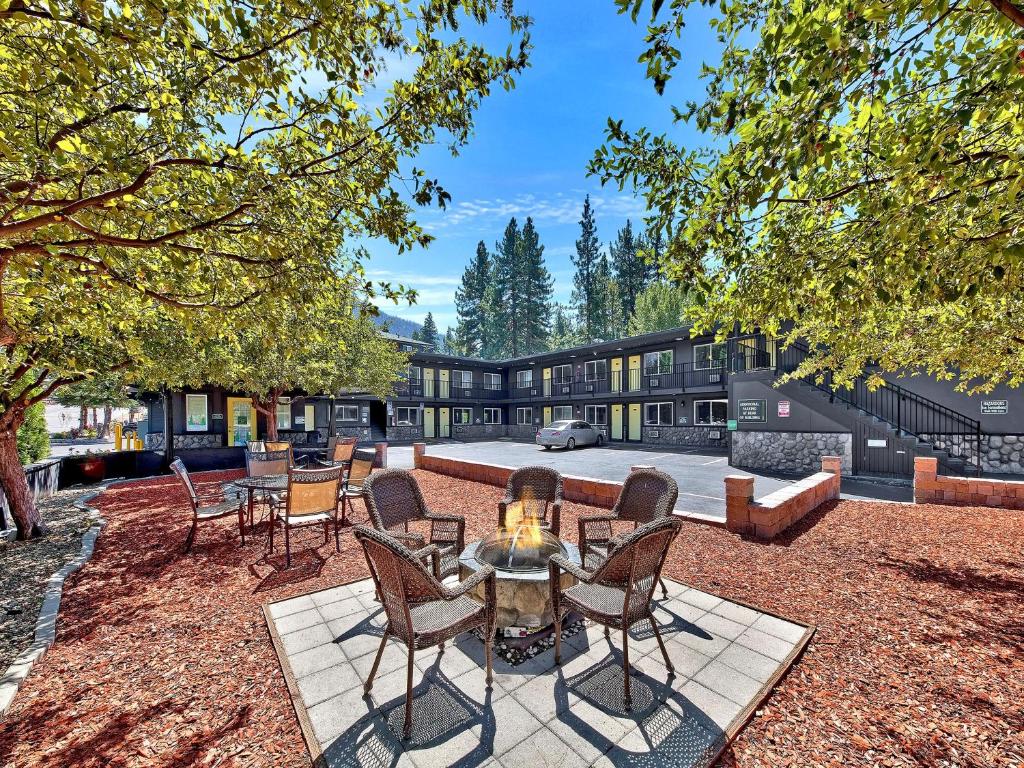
<point>733,426</point>
<point>752,410</point>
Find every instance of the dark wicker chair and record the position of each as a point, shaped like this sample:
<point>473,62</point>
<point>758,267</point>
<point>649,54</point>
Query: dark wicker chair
<point>395,500</point>
<point>618,594</point>
<point>646,495</point>
<point>540,485</point>
<point>353,486</point>
<point>207,505</point>
<point>421,611</point>
<point>311,500</point>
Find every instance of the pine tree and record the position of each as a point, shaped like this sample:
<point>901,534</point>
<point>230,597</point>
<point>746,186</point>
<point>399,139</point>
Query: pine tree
<point>538,284</point>
<point>584,294</point>
<point>632,273</point>
<point>509,286</point>
<point>471,303</point>
<point>605,305</point>
<point>428,333</point>
<point>564,332</point>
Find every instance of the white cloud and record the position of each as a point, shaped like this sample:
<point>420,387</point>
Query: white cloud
<point>410,279</point>
<point>559,209</point>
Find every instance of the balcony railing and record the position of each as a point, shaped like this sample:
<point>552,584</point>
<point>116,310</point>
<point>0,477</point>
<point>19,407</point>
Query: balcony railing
<point>445,389</point>
<point>680,377</point>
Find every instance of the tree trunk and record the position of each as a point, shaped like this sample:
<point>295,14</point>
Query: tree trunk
<point>108,413</point>
<point>268,407</point>
<point>19,497</point>
<point>95,419</point>
<point>83,417</point>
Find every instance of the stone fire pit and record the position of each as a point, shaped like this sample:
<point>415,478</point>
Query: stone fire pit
<point>520,558</point>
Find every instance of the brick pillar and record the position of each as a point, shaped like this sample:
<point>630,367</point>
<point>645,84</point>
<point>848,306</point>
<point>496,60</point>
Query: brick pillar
<point>926,470</point>
<point>833,464</point>
<point>418,451</point>
<point>381,458</point>
<point>739,493</point>
<point>635,467</point>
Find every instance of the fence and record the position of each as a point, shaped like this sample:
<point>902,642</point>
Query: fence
<point>43,479</point>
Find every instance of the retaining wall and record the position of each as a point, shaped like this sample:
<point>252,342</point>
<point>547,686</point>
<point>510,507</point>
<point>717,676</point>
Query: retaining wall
<point>769,516</point>
<point>933,488</point>
<point>792,452</point>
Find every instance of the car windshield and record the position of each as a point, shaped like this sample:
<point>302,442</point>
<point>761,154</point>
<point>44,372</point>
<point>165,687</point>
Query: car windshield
<point>559,425</point>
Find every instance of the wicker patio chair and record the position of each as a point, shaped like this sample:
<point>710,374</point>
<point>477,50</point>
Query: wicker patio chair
<point>646,495</point>
<point>618,594</point>
<point>394,499</point>
<point>421,611</point>
<point>353,488</point>
<point>256,445</point>
<point>207,506</point>
<point>540,485</point>
<point>311,500</point>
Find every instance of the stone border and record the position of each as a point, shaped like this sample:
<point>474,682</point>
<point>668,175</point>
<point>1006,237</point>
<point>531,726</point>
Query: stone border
<point>933,488</point>
<point>46,623</point>
<point>769,516</point>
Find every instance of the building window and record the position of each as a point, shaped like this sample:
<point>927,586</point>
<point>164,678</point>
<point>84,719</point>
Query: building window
<point>709,355</point>
<point>658,363</point>
<point>658,414</point>
<point>524,416</point>
<point>524,379</point>
<point>462,415</point>
<point>561,413</point>
<point>415,374</point>
<point>284,413</point>
<point>347,413</point>
<point>407,417</point>
<point>595,370</point>
<point>462,379</point>
<point>561,374</point>
<point>708,412</point>
<point>196,413</point>
<point>596,415</point>
<point>492,415</point>
<point>492,381</point>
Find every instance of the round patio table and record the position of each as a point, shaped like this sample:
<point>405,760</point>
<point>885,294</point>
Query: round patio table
<point>265,483</point>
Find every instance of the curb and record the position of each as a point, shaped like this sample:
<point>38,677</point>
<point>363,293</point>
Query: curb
<point>46,623</point>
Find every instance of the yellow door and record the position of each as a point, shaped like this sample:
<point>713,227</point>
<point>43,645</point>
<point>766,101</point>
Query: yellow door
<point>428,383</point>
<point>310,414</point>
<point>634,375</point>
<point>617,416</point>
<point>547,415</point>
<point>617,379</point>
<point>428,422</point>
<point>547,384</point>
<point>443,383</point>
<point>445,419</point>
<point>241,421</point>
<point>634,421</point>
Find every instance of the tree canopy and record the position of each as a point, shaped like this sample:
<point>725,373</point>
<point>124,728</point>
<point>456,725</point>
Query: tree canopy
<point>860,183</point>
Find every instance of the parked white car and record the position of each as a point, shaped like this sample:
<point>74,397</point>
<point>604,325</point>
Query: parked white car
<point>568,434</point>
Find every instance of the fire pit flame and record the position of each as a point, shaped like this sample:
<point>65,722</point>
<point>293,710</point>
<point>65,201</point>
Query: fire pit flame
<point>523,544</point>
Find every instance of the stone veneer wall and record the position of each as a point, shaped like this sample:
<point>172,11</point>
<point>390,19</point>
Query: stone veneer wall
<point>405,432</point>
<point>694,437</point>
<point>154,441</point>
<point>363,433</point>
<point>769,516</point>
<point>521,430</point>
<point>478,431</point>
<point>1003,454</point>
<point>933,488</point>
<point>793,452</point>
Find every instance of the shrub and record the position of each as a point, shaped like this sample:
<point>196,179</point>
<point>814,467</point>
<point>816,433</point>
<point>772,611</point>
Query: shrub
<point>33,439</point>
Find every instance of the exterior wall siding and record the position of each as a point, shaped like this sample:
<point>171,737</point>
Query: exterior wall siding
<point>793,452</point>
<point>692,437</point>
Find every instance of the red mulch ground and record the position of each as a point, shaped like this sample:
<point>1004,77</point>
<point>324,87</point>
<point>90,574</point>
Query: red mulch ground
<point>164,659</point>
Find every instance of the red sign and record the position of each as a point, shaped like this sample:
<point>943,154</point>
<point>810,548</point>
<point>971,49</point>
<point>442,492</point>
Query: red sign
<point>783,409</point>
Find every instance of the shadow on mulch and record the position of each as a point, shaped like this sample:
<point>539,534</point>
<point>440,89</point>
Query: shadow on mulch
<point>799,529</point>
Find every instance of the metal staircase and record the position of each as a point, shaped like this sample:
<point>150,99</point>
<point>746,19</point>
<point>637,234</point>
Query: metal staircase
<point>925,427</point>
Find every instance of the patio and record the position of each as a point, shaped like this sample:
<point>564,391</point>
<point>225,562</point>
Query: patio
<point>166,659</point>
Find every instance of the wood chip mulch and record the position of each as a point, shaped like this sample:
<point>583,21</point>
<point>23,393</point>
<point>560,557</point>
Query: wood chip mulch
<point>164,659</point>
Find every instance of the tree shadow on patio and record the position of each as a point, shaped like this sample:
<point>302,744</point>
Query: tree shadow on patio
<point>306,564</point>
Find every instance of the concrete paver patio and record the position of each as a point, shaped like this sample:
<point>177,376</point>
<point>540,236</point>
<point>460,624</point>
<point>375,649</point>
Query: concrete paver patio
<point>727,658</point>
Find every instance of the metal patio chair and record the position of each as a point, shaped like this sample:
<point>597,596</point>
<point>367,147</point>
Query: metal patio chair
<point>353,485</point>
<point>284,445</point>
<point>541,488</point>
<point>263,463</point>
<point>311,500</point>
<point>340,454</point>
<point>421,611</point>
<point>646,495</point>
<point>617,594</point>
<point>394,500</point>
<point>207,506</point>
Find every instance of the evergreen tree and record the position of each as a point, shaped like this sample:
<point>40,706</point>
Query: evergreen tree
<point>658,308</point>
<point>584,294</point>
<point>471,303</point>
<point>536,299</point>
<point>605,310</point>
<point>428,333</point>
<point>632,272</point>
<point>564,331</point>
<point>509,290</point>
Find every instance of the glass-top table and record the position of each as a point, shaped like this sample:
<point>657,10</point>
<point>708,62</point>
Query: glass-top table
<point>264,483</point>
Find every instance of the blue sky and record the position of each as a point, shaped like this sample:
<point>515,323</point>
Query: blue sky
<point>529,154</point>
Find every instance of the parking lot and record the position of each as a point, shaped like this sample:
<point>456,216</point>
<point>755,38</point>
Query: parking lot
<point>699,473</point>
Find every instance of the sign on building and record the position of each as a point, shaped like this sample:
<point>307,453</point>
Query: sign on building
<point>752,411</point>
<point>783,409</point>
<point>992,407</point>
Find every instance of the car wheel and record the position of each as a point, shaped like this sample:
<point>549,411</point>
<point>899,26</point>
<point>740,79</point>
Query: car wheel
<point>600,439</point>
<point>547,447</point>
<point>570,443</point>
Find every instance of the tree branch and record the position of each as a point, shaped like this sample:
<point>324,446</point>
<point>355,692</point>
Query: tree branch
<point>1009,10</point>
